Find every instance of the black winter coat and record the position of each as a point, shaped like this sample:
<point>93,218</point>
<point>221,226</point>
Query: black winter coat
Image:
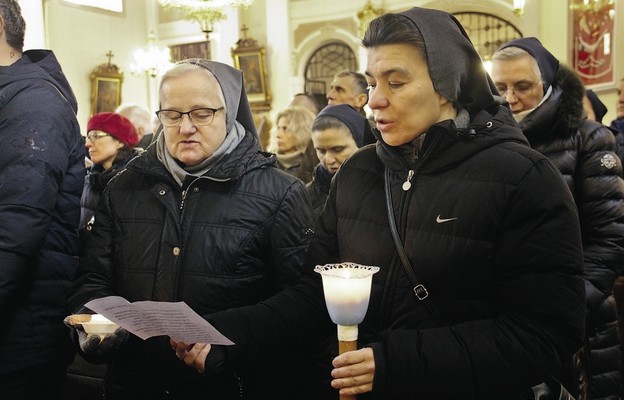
<point>319,189</point>
<point>229,238</point>
<point>584,152</point>
<point>41,175</point>
<point>490,228</point>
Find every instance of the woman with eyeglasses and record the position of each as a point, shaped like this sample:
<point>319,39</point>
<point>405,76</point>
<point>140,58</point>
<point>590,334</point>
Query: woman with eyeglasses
<point>110,142</point>
<point>546,98</point>
<point>202,216</point>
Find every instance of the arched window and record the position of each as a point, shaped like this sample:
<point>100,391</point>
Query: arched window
<point>487,32</point>
<point>324,63</point>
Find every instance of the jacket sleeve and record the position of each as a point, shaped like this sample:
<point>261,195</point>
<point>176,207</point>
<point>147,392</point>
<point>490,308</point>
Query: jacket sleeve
<point>599,191</point>
<point>536,305</point>
<point>96,271</point>
<point>295,315</point>
<point>37,145</point>
<point>290,234</point>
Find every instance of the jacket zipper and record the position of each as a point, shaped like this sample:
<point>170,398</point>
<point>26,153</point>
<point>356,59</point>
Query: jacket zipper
<point>408,184</point>
<point>401,223</point>
<point>184,193</point>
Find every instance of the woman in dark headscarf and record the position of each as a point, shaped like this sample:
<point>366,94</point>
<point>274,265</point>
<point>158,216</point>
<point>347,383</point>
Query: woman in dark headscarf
<point>337,133</point>
<point>487,224</point>
<point>202,216</point>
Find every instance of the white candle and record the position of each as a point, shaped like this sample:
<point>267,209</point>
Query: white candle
<point>347,290</point>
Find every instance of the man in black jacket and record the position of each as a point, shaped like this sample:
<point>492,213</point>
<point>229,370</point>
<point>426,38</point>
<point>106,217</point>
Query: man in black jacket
<point>41,175</point>
<point>486,222</point>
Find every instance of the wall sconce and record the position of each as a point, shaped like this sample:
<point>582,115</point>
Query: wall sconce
<point>518,7</point>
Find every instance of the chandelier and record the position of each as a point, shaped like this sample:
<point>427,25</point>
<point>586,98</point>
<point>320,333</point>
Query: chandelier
<point>152,60</point>
<point>366,15</point>
<point>518,7</point>
<point>204,12</point>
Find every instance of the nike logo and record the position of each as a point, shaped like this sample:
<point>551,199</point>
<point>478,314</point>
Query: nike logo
<point>443,220</point>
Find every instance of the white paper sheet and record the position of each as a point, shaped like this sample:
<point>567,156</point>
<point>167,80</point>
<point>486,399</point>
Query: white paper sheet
<point>156,318</point>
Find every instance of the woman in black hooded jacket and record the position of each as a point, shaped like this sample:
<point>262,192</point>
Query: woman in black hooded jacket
<point>487,224</point>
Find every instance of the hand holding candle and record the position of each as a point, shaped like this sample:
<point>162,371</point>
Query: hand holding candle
<point>346,287</point>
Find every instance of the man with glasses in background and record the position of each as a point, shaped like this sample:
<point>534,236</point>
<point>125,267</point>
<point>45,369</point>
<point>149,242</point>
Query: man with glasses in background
<point>202,216</point>
<point>546,99</point>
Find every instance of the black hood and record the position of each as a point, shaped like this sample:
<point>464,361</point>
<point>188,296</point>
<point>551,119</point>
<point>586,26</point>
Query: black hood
<point>455,67</point>
<point>38,64</point>
<point>599,108</point>
<point>547,63</point>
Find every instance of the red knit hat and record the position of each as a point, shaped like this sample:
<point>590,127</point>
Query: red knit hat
<point>115,125</point>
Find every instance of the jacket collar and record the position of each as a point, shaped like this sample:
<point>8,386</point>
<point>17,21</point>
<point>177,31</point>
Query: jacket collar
<point>445,145</point>
<point>561,114</point>
<point>245,157</point>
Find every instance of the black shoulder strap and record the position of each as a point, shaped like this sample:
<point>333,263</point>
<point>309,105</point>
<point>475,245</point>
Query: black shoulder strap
<point>419,289</point>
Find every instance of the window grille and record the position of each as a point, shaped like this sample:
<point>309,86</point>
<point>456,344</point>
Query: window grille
<point>327,61</point>
<point>487,32</point>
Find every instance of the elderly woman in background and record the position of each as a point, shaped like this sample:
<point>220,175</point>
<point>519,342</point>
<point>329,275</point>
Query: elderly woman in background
<point>290,142</point>
<point>202,216</point>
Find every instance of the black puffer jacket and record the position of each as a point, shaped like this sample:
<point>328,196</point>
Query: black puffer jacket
<point>41,175</point>
<point>584,152</point>
<point>491,229</point>
<point>231,237</point>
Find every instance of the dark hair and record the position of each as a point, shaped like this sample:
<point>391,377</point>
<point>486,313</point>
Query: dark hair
<point>394,29</point>
<point>14,24</point>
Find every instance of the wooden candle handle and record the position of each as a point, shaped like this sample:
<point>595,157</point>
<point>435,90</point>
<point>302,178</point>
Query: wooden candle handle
<point>343,347</point>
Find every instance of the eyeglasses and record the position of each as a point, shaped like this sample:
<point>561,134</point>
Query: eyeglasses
<point>94,135</point>
<point>521,90</point>
<point>199,116</point>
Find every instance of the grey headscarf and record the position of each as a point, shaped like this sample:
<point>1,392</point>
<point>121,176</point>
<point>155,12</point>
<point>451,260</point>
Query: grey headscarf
<point>455,67</point>
<point>231,81</point>
<point>238,120</point>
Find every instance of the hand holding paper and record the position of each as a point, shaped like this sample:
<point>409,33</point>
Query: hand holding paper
<point>146,319</point>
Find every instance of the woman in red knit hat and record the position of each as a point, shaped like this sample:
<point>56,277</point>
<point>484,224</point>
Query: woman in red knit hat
<point>110,142</point>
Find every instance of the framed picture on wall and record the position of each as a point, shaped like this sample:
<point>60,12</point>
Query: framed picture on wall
<point>181,52</point>
<point>594,42</point>
<point>106,81</point>
<point>250,59</point>
<point>106,94</point>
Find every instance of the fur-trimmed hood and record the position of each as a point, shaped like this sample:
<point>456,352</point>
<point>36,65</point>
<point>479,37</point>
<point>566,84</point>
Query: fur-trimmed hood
<point>561,114</point>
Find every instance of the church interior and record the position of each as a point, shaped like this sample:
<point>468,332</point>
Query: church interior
<point>116,55</point>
